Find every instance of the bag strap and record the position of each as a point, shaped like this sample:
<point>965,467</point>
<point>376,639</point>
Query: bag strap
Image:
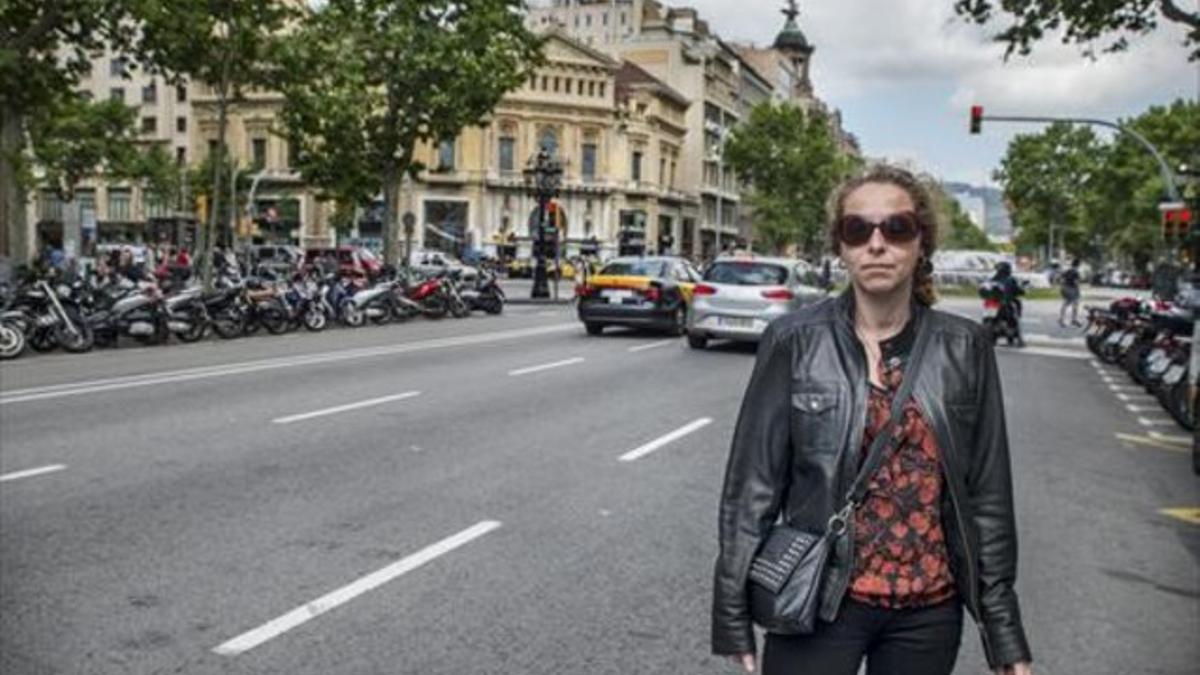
<point>887,438</point>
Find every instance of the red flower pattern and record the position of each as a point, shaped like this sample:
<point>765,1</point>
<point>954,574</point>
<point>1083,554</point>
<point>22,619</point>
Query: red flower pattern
<point>901,559</point>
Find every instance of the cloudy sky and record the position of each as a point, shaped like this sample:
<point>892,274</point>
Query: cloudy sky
<point>904,73</point>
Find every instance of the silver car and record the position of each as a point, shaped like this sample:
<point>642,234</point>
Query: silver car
<point>740,295</point>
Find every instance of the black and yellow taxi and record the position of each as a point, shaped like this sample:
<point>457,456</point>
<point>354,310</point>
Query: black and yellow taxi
<point>641,292</point>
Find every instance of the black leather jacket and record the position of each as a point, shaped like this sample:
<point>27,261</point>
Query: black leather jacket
<point>806,405</point>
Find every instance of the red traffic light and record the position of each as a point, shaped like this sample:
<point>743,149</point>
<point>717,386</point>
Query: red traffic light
<point>976,118</point>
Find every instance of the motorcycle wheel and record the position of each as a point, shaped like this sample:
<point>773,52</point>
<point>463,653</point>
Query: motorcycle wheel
<point>351,314</point>
<point>492,305</point>
<point>80,341</point>
<point>42,340</point>
<point>459,309</point>
<point>274,319</point>
<point>315,319</point>
<point>229,323</point>
<point>1176,402</point>
<point>400,313</point>
<point>435,307</point>
<point>199,326</point>
<point>12,341</point>
<point>384,317</point>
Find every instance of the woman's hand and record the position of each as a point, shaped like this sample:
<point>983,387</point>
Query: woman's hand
<point>1022,668</point>
<point>746,661</point>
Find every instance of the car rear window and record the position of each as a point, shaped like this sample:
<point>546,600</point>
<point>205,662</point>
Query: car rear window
<point>746,274</point>
<point>636,268</point>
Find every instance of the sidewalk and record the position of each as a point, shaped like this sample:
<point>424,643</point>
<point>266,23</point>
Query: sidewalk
<point>516,292</point>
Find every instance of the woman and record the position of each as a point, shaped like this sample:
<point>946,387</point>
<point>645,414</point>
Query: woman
<point>935,532</point>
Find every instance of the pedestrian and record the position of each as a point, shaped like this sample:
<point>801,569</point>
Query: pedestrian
<point>928,527</point>
<point>1070,295</point>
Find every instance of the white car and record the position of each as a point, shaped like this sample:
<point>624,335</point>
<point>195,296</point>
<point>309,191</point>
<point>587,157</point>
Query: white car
<point>739,295</point>
<point>431,261</point>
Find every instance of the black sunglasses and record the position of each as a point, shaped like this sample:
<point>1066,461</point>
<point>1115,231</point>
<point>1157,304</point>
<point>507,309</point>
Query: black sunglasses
<point>898,228</point>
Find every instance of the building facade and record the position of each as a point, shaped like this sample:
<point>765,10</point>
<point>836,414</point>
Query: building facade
<point>618,133</point>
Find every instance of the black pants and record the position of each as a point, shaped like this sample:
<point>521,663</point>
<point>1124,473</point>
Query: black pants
<point>894,641</point>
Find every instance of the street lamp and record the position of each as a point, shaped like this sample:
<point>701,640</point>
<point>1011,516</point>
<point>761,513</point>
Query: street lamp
<point>543,178</point>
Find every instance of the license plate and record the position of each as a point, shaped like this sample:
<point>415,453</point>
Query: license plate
<point>990,312</point>
<point>616,295</point>
<point>1174,374</point>
<point>1114,338</point>
<point>1128,339</point>
<point>734,322</point>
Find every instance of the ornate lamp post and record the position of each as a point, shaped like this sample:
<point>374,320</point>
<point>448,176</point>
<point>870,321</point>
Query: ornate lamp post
<point>543,178</point>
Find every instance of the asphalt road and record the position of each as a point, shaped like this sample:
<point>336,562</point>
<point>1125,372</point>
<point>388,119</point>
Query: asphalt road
<point>499,495</point>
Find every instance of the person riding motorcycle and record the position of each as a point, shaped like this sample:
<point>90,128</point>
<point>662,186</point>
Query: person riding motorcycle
<point>1011,301</point>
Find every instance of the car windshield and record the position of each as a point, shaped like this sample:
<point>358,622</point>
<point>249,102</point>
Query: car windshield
<point>746,274</point>
<point>635,268</point>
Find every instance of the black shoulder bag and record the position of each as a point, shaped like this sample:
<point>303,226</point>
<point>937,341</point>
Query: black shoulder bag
<point>786,573</point>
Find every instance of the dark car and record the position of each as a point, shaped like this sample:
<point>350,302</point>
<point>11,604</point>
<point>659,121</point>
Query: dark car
<point>351,260</point>
<point>640,292</point>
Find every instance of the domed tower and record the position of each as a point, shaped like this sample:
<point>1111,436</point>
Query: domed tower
<point>792,43</point>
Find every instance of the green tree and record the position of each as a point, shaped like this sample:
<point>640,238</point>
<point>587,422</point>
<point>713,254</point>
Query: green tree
<point>958,232</point>
<point>1130,186</point>
<point>377,77</point>
<point>232,46</point>
<point>1084,23</point>
<point>1049,179</point>
<point>45,47</point>
<point>792,161</point>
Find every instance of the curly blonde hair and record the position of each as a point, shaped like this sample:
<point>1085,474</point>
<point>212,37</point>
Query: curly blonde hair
<point>927,211</point>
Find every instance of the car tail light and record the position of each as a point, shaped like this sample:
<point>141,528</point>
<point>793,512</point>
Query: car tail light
<point>653,294</point>
<point>991,304</point>
<point>778,294</point>
<point>584,291</point>
<point>704,289</point>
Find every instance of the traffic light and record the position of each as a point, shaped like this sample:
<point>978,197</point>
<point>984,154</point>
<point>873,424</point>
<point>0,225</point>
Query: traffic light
<point>976,118</point>
<point>1176,220</point>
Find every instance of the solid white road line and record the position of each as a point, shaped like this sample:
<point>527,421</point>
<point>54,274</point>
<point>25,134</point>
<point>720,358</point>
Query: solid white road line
<point>1049,351</point>
<point>1147,422</point>
<point>652,345</point>
<point>276,627</point>
<point>659,442</point>
<point>93,386</point>
<point>32,472</point>
<point>546,366</point>
<point>343,408</point>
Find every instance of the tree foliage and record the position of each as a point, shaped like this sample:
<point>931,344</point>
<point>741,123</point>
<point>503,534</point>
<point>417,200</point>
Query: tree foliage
<point>1049,180</point>
<point>373,78</point>
<point>45,47</point>
<point>1086,22</point>
<point>1105,192</point>
<point>792,161</point>
<point>232,46</point>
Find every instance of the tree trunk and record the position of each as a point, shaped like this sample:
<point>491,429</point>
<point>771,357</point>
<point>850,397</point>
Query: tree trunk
<point>14,233</point>
<point>391,196</point>
<point>210,228</point>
